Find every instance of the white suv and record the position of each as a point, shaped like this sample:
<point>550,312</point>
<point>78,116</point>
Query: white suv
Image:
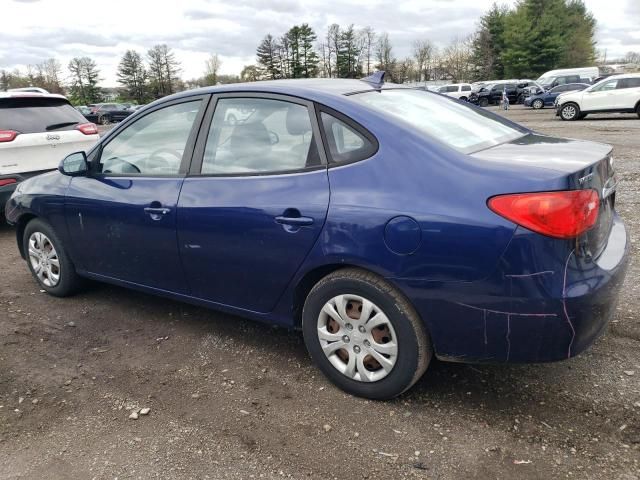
<point>615,94</point>
<point>460,91</point>
<point>37,130</point>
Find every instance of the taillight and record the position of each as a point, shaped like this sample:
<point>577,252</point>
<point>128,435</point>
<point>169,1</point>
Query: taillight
<point>7,181</point>
<point>88,128</point>
<point>565,214</point>
<point>7,135</point>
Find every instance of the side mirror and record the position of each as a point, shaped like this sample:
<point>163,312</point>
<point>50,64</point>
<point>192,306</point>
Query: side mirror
<point>74,165</point>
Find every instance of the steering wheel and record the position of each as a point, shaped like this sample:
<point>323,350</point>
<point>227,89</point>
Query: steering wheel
<point>155,159</point>
<point>124,162</point>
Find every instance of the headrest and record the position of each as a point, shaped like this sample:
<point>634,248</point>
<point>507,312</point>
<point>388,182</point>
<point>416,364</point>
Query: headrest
<point>298,120</point>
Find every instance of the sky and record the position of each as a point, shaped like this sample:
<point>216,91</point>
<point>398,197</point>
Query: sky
<point>34,30</point>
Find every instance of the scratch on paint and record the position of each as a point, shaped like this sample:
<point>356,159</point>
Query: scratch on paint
<point>485,328</point>
<point>508,314</point>
<point>508,336</point>
<point>564,303</point>
<point>524,275</point>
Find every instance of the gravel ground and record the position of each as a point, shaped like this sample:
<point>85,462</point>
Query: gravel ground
<point>233,399</point>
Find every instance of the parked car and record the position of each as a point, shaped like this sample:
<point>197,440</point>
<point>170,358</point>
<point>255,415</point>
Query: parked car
<point>553,78</point>
<point>388,223</point>
<point>615,94</point>
<point>83,109</point>
<point>36,131</point>
<point>548,98</point>
<point>492,94</point>
<point>28,90</point>
<point>106,113</point>
<point>461,91</point>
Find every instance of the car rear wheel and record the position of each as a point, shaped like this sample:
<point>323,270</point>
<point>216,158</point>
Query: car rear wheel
<point>537,104</point>
<point>483,102</point>
<point>364,335</point>
<point>464,99</point>
<point>48,260</point>
<point>638,110</point>
<point>104,120</point>
<point>569,112</point>
<point>520,100</point>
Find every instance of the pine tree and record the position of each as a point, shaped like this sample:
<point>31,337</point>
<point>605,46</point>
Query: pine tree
<point>307,54</point>
<point>84,81</point>
<point>132,75</point>
<point>489,44</point>
<point>269,58</point>
<point>348,64</point>
<point>163,70</point>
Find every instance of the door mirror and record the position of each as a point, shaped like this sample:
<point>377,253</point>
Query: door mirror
<point>74,165</point>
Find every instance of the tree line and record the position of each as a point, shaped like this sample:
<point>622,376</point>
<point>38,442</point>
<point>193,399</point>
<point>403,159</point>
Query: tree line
<point>522,41</point>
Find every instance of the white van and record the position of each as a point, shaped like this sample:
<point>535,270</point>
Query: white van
<point>553,78</point>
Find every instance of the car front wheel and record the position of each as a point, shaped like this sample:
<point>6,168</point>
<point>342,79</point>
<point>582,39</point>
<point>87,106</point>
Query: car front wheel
<point>537,104</point>
<point>364,335</point>
<point>483,102</point>
<point>48,260</point>
<point>570,112</point>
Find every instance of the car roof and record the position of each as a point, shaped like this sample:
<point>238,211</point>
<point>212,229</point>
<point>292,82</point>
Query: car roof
<point>303,87</point>
<point>31,95</point>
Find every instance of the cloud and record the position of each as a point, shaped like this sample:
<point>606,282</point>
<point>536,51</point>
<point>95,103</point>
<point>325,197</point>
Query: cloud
<point>195,28</point>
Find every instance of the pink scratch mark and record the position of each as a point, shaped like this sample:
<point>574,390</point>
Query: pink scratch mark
<point>524,275</point>
<point>508,313</point>
<point>564,304</point>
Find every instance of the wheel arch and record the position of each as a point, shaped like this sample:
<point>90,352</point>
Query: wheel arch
<point>21,224</point>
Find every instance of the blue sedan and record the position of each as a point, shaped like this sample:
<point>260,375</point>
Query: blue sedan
<point>547,98</point>
<point>388,224</point>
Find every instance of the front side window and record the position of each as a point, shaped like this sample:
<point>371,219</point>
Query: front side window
<point>153,145</point>
<point>259,135</point>
<point>457,125</point>
<point>606,86</point>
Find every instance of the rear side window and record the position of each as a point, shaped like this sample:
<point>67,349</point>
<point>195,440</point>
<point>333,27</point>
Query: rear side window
<point>633,82</point>
<point>36,115</point>
<point>466,88</point>
<point>346,143</point>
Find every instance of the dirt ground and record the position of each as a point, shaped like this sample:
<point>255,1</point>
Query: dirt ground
<point>231,399</point>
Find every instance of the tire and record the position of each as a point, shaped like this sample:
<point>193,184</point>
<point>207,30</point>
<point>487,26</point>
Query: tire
<point>483,101</point>
<point>39,236</point>
<point>399,325</point>
<point>537,104</point>
<point>520,99</point>
<point>569,112</point>
<point>464,99</point>
<point>638,110</point>
<point>104,120</point>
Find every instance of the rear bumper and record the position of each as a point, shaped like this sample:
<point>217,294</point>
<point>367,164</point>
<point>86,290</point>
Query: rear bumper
<point>552,314</point>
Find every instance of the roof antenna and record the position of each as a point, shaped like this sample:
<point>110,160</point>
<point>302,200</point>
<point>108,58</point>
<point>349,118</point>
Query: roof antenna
<point>376,80</point>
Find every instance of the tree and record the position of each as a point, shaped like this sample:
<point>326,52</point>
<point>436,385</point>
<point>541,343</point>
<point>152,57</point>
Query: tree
<point>303,59</point>
<point>163,70</point>
<point>423,53</point>
<point>384,56</point>
<point>83,88</point>
<point>489,44</point>
<point>348,57</point>
<point>456,59</point>
<point>250,73</point>
<point>541,35</point>
<point>132,75</point>
<point>212,66</point>
<point>48,76</point>
<point>368,39</point>
<point>632,57</point>
<point>269,58</point>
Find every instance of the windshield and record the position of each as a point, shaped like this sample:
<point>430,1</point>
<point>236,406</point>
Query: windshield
<point>462,127</point>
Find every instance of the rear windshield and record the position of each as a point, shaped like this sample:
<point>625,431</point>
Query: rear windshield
<point>35,115</point>
<point>462,127</point>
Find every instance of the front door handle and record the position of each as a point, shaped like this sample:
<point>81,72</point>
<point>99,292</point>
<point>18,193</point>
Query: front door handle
<point>294,221</point>
<point>156,213</point>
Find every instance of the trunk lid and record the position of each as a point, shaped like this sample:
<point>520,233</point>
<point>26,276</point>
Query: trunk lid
<point>583,164</point>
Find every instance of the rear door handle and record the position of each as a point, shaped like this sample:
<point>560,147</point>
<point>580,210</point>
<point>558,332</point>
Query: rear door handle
<point>294,221</point>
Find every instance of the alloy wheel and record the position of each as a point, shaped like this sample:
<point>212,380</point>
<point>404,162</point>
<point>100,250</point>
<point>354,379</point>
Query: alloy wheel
<point>537,104</point>
<point>569,112</point>
<point>44,259</point>
<point>357,338</point>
